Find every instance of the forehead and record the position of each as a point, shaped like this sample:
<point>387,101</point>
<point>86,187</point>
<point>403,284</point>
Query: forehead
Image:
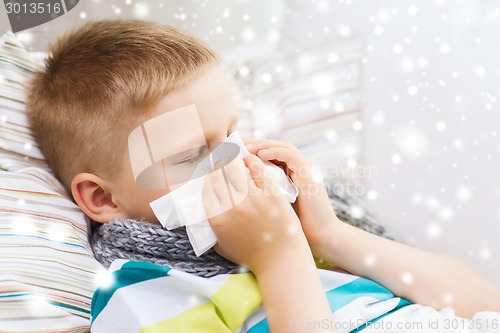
<point>210,92</point>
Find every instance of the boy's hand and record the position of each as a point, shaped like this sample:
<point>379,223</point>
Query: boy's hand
<point>255,226</point>
<point>312,206</point>
<point>261,231</point>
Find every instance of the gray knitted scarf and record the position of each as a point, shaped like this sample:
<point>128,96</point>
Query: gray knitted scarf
<point>123,238</point>
<point>131,239</point>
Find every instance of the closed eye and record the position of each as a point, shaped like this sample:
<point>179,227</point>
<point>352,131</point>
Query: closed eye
<point>199,155</point>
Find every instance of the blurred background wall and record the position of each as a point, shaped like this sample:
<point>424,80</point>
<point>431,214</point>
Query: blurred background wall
<point>427,118</point>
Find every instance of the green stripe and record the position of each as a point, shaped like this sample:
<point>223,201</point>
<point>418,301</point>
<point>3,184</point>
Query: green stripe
<point>62,305</point>
<point>361,287</point>
<point>16,295</point>
<point>43,238</point>
<point>345,294</point>
<point>132,272</point>
<point>67,306</point>
<point>402,302</point>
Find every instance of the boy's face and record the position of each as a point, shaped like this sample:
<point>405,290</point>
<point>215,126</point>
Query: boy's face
<point>210,96</point>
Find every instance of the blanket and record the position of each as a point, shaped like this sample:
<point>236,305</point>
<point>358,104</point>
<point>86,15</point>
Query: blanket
<point>146,297</point>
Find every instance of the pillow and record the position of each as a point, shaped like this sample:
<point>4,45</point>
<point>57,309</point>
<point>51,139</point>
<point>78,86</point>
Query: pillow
<point>310,97</point>
<point>48,273</point>
<point>16,67</point>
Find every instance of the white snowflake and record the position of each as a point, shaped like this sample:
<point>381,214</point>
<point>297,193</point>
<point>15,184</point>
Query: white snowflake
<point>441,126</point>
<point>413,10</point>
<point>141,10</point>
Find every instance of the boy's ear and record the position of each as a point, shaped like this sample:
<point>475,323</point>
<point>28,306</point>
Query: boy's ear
<point>94,198</point>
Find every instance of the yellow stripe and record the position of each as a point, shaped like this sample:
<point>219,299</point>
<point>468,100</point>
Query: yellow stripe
<point>231,305</point>
<point>237,299</point>
<point>200,319</point>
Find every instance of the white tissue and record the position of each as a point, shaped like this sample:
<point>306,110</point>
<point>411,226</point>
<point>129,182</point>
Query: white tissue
<point>184,205</point>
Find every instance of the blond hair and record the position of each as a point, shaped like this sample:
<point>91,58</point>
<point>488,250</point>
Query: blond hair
<point>98,81</point>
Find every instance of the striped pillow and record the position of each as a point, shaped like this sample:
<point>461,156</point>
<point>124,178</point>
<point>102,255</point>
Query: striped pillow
<point>16,68</point>
<point>47,269</point>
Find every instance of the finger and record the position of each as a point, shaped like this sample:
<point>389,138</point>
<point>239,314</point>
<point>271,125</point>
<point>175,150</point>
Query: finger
<point>292,159</point>
<point>253,146</point>
<point>220,188</point>
<point>267,142</point>
<point>249,140</point>
<point>259,173</point>
<point>209,198</point>
<point>236,173</point>
<point>237,177</point>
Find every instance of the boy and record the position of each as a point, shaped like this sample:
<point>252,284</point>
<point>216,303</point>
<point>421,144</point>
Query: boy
<point>109,77</point>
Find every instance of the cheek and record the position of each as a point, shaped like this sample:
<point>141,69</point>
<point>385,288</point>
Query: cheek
<point>138,200</point>
<point>147,195</point>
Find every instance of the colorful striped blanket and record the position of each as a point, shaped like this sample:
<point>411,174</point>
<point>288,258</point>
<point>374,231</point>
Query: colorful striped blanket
<point>145,297</point>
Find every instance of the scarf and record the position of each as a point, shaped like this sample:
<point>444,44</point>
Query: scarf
<point>131,239</point>
<point>123,238</point>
